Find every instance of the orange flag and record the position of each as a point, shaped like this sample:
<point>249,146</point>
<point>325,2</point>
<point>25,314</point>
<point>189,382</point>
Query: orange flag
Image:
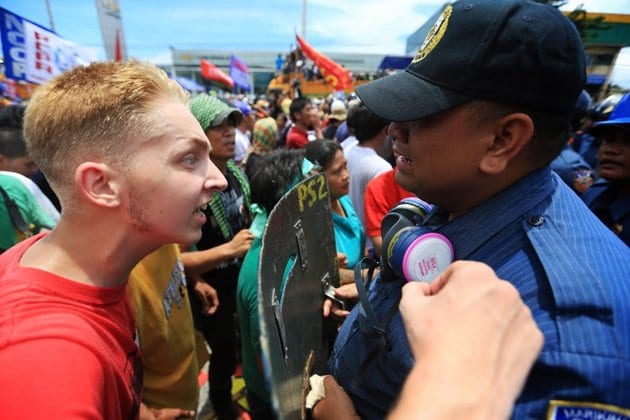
<point>212,72</point>
<point>337,76</point>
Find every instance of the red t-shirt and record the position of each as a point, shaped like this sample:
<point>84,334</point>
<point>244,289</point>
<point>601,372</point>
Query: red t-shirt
<point>67,349</point>
<point>296,138</point>
<point>381,194</point>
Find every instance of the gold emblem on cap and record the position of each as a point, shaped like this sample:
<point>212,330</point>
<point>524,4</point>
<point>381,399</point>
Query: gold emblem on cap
<point>435,34</point>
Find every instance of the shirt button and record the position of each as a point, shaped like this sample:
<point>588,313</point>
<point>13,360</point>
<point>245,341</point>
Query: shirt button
<point>536,221</point>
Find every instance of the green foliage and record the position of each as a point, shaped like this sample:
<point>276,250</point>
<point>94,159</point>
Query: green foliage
<point>588,27</point>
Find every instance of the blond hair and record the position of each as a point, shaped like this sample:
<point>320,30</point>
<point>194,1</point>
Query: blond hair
<point>93,113</point>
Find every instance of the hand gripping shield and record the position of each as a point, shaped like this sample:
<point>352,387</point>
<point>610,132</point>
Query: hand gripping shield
<point>298,264</point>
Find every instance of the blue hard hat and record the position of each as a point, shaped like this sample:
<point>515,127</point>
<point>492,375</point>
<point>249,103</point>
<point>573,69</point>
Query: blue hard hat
<point>620,114</point>
<point>601,110</point>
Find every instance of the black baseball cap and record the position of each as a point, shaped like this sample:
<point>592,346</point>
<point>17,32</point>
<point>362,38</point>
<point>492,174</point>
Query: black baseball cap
<point>510,51</point>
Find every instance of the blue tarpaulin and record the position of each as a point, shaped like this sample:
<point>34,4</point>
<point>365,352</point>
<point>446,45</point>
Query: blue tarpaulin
<point>596,79</point>
<point>394,62</point>
<point>188,84</point>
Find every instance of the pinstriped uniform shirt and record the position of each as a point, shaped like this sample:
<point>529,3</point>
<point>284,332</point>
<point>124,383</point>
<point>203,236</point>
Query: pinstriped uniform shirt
<point>571,271</point>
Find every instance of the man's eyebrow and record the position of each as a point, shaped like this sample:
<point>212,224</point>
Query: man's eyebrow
<point>199,143</point>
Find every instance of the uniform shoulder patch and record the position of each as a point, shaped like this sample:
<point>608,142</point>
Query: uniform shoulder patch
<point>577,410</point>
<point>582,179</point>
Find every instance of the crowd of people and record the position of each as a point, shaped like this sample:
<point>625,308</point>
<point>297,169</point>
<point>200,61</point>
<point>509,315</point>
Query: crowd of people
<point>132,220</point>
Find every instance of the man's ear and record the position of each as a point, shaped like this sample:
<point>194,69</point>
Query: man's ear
<point>98,183</point>
<point>512,134</point>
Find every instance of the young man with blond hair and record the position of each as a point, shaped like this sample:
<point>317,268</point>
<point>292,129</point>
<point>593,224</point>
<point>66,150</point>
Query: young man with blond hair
<point>131,167</point>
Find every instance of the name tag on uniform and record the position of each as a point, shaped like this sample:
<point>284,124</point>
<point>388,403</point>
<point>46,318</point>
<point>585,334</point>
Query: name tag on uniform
<point>574,410</point>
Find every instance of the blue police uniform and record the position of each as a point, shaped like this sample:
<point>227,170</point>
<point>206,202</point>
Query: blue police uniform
<point>614,212</point>
<point>569,269</point>
<point>573,170</point>
<point>586,146</point>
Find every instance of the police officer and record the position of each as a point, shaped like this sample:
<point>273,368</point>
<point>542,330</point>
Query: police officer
<point>609,197</point>
<point>478,115</point>
<point>569,165</point>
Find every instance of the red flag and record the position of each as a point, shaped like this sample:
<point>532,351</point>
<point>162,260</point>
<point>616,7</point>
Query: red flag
<point>334,74</point>
<point>118,47</point>
<point>212,72</point>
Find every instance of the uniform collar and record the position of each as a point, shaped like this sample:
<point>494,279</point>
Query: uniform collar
<point>473,228</point>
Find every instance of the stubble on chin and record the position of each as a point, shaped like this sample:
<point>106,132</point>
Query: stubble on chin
<point>137,215</point>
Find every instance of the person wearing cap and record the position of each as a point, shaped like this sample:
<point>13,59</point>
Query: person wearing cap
<point>609,197</point>
<point>262,108</point>
<point>584,143</point>
<point>338,114</point>
<point>243,131</point>
<point>220,251</point>
<point>477,116</point>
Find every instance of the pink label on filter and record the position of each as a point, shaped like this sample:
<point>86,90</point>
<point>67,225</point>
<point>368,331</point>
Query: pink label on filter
<point>426,257</point>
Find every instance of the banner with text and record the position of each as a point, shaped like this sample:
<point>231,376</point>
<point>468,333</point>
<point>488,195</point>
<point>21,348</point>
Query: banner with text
<point>34,53</point>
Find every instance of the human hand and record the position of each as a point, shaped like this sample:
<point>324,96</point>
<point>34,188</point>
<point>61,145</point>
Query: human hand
<point>241,242</point>
<point>147,413</point>
<point>314,119</point>
<point>342,260</point>
<point>346,292</point>
<point>208,296</point>
<point>473,339</point>
<point>336,403</point>
<point>172,414</point>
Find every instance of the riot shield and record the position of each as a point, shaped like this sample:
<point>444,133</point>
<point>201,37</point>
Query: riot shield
<point>298,263</point>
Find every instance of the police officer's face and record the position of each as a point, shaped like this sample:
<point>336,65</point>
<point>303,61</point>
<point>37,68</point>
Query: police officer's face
<point>614,154</point>
<point>440,157</point>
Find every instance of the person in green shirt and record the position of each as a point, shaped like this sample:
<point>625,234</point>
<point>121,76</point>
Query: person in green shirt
<point>273,175</point>
<point>32,214</point>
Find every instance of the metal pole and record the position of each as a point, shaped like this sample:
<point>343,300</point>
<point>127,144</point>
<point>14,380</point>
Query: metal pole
<point>50,16</point>
<point>173,72</point>
<point>304,19</point>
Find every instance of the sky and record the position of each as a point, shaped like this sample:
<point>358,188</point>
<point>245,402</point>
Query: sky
<point>368,26</point>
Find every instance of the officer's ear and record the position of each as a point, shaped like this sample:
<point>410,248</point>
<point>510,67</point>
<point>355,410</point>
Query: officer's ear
<point>511,134</point>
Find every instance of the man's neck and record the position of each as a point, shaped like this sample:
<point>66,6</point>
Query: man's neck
<point>301,127</point>
<point>373,144</point>
<point>105,263</point>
